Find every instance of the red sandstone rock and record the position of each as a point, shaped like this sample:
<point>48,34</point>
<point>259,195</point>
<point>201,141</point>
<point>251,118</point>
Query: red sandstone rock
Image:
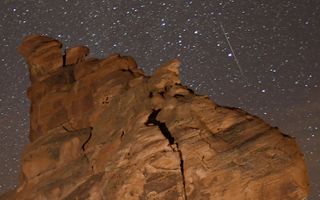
<point>43,55</point>
<point>76,55</point>
<point>101,129</point>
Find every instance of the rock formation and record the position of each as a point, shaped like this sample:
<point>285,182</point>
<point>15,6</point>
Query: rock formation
<point>101,129</point>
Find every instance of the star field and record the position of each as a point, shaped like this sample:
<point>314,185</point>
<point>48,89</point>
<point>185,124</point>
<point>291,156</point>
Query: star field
<point>262,56</point>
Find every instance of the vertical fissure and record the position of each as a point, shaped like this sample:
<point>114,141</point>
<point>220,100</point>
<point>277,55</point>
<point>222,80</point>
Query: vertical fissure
<point>64,58</point>
<point>83,147</point>
<point>152,121</point>
<point>182,172</point>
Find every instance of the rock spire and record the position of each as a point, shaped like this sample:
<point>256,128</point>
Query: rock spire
<point>102,129</point>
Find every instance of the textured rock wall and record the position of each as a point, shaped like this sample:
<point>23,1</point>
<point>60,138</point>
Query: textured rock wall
<point>101,129</point>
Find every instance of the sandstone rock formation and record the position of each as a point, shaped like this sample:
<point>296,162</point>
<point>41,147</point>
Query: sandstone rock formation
<point>101,129</point>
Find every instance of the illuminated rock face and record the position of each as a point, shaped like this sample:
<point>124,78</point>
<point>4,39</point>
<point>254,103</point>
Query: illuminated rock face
<point>101,129</point>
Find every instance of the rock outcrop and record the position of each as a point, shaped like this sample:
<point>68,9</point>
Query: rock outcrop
<point>101,129</point>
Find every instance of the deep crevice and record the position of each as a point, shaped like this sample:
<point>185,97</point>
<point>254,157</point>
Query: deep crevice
<point>122,135</point>
<point>152,121</point>
<point>182,172</point>
<point>83,147</point>
<point>152,118</point>
<point>64,58</point>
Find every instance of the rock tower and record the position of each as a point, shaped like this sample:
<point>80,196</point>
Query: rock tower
<point>101,129</point>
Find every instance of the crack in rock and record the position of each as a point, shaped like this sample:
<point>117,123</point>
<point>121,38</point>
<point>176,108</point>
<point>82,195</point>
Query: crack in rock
<point>86,141</point>
<point>83,147</point>
<point>152,121</point>
<point>64,58</point>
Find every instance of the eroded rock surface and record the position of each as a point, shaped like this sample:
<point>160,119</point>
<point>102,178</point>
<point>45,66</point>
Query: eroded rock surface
<point>101,129</point>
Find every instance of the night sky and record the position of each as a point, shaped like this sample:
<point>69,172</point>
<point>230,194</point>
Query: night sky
<point>260,55</point>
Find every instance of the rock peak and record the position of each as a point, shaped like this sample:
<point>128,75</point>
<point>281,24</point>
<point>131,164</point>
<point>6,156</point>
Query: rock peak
<point>101,129</point>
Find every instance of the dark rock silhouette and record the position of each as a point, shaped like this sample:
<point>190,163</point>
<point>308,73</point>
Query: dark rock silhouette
<point>101,129</point>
